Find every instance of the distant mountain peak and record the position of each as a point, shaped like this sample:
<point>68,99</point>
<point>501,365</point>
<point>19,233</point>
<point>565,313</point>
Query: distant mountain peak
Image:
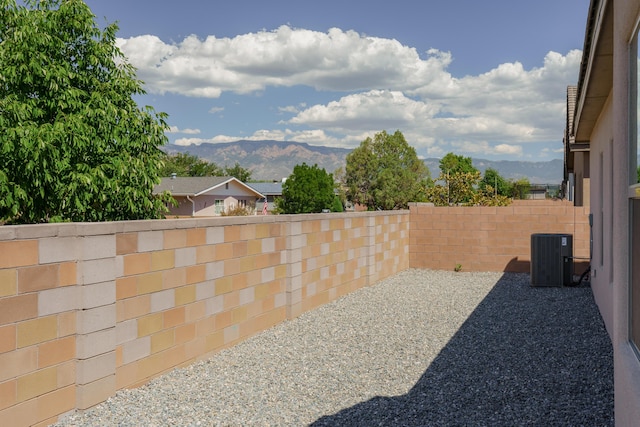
<point>273,160</point>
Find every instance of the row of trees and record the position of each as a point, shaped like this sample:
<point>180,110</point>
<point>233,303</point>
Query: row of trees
<point>385,173</point>
<point>185,164</point>
<point>460,182</point>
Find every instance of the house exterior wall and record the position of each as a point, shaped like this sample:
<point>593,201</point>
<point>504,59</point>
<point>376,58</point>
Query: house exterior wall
<point>184,208</point>
<point>626,362</point>
<point>601,208</point>
<point>205,205</point>
<point>582,178</point>
<point>611,195</point>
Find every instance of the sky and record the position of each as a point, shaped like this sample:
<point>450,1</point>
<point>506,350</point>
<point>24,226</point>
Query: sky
<point>485,79</point>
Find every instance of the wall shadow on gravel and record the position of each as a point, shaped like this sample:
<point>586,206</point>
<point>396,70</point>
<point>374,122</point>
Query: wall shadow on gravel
<point>525,356</point>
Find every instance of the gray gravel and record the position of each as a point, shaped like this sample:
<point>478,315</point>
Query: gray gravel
<point>422,348</point>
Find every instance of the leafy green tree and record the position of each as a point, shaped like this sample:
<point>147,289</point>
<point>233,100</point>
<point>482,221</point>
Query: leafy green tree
<point>487,196</point>
<point>498,184</point>
<point>638,172</point>
<point>452,164</point>
<point>453,189</point>
<point>74,144</point>
<point>385,173</point>
<point>460,180</point>
<point>185,164</point>
<point>238,172</point>
<point>520,188</point>
<point>462,188</point>
<point>337,205</point>
<point>308,189</point>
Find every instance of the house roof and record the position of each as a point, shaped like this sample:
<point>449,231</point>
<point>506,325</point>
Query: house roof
<point>197,185</point>
<point>267,188</point>
<point>596,70</point>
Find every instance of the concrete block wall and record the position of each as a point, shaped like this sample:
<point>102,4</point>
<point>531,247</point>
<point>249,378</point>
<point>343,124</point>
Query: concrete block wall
<point>492,238</point>
<point>183,293</point>
<point>87,309</point>
<point>333,257</point>
<point>38,302</point>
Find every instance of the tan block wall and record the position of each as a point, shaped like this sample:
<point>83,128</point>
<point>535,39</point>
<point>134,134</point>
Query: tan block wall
<point>492,238</point>
<point>87,309</point>
<point>37,330</point>
<point>184,293</point>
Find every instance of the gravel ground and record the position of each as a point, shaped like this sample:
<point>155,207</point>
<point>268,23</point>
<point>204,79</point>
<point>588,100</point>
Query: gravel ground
<point>422,348</point>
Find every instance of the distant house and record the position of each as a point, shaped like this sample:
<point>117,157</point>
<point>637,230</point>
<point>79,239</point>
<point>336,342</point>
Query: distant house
<point>270,190</point>
<point>208,196</point>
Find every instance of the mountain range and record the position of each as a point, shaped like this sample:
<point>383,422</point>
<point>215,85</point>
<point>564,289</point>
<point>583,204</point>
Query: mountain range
<point>273,160</point>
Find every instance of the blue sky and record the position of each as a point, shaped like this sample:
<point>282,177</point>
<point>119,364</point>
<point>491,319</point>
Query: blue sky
<point>482,79</point>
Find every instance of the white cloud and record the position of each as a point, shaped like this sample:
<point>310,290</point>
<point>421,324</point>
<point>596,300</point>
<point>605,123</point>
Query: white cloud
<point>484,148</point>
<point>215,110</point>
<point>384,85</point>
<point>336,60</point>
<point>508,149</point>
<point>507,106</point>
<point>313,137</point>
<point>376,109</point>
<point>293,108</point>
<point>175,129</point>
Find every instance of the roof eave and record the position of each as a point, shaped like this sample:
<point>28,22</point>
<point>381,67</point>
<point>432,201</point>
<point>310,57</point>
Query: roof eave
<point>596,70</point>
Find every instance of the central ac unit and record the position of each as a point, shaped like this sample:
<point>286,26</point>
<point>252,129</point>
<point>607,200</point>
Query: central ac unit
<point>551,259</point>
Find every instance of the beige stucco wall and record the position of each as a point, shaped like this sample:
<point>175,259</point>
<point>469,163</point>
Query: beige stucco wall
<point>601,209</point>
<point>612,288</point>
<point>582,174</point>
<point>205,205</point>
<point>627,364</point>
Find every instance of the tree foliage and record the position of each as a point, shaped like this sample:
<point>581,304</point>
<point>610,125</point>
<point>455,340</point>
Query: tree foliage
<point>460,183</point>
<point>452,164</point>
<point>520,188</point>
<point>460,180</point>
<point>185,164</point>
<point>498,184</point>
<point>385,173</point>
<point>453,189</point>
<point>74,144</point>
<point>462,188</point>
<point>308,189</point>
<point>238,172</point>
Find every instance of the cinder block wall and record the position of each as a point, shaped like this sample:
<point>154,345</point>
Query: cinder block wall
<point>492,238</point>
<point>38,299</point>
<point>87,309</point>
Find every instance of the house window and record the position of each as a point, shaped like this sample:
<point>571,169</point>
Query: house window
<point>219,206</point>
<point>633,194</point>
<point>242,203</point>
